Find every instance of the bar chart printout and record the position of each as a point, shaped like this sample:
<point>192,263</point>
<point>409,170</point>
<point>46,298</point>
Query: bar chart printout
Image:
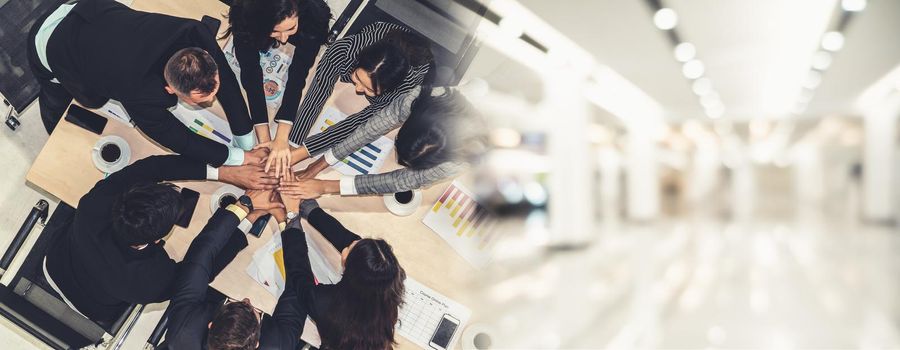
<point>367,159</point>
<point>422,312</point>
<point>464,223</point>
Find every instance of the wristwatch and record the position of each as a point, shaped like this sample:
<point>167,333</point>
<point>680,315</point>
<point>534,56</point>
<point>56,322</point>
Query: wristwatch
<point>291,216</point>
<point>245,201</point>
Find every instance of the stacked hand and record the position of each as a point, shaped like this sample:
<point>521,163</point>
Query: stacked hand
<point>302,188</point>
<point>313,169</point>
<point>265,202</point>
<point>279,159</point>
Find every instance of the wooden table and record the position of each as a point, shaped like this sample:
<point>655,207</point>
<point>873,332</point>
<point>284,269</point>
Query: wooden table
<point>65,170</point>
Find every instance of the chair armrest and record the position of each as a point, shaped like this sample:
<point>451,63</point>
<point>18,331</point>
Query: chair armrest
<point>38,212</point>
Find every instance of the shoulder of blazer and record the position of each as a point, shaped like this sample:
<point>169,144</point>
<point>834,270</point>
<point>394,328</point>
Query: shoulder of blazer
<point>89,10</point>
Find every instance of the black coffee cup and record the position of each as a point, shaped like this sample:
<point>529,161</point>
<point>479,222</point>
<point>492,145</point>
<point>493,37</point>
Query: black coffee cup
<point>110,152</point>
<point>482,341</point>
<point>403,197</point>
<point>226,200</point>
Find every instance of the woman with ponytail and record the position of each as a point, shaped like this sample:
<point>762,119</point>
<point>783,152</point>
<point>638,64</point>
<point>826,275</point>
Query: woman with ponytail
<point>360,311</point>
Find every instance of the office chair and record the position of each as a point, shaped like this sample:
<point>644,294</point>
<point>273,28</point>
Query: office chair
<point>29,303</point>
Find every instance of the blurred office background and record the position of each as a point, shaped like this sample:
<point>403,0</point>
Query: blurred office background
<point>691,173</point>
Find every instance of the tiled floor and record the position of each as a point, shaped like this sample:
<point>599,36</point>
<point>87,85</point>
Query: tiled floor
<point>810,280</point>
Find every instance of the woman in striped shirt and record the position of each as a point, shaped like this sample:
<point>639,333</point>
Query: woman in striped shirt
<point>383,61</point>
<point>441,134</point>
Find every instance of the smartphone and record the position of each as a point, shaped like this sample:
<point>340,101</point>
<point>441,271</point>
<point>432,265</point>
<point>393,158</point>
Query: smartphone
<point>189,199</point>
<point>444,332</point>
<point>260,224</point>
<point>86,119</point>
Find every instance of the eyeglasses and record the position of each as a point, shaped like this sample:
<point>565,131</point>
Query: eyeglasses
<point>259,313</point>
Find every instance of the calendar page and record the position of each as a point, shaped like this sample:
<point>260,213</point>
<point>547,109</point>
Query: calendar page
<point>423,311</point>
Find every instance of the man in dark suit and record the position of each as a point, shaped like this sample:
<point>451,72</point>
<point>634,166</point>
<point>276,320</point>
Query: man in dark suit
<point>195,323</point>
<point>96,50</point>
<point>112,254</point>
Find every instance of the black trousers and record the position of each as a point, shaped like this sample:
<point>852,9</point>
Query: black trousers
<point>53,98</point>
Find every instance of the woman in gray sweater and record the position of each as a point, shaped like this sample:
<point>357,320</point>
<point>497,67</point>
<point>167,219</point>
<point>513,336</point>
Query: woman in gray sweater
<point>440,135</point>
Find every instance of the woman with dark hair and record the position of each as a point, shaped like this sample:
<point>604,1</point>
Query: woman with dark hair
<point>260,25</point>
<point>360,311</point>
<point>383,61</point>
<point>440,135</point>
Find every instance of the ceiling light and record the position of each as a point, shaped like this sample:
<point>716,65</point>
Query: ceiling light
<point>833,41</point>
<point>821,60</point>
<point>813,79</point>
<point>853,5</point>
<point>715,112</point>
<point>709,100</point>
<point>665,19</point>
<point>702,86</point>
<point>693,69</point>
<point>685,52</point>
<point>712,105</point>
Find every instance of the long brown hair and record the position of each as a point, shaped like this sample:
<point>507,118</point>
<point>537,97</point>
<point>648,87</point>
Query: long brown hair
<point>252,21</point>
<point>367,300</point>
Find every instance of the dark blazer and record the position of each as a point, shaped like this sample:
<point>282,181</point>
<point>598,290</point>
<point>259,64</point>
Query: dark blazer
<point>104,50</point>
<point>191,312</point>
<point>311,35</point>
<point>96,273</point>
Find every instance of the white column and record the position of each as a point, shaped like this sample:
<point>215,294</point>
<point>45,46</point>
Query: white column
<point>642,178</point>
<point>610,185</point>
<point>880,137</point>
<point>571,205</point>
<point>809,174</point>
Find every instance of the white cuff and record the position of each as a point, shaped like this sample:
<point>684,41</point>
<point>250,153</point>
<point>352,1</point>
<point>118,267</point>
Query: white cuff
<point>245,226</point>
<point>245,142</point>
<point>330,158</point>
<point>282,121</point>
<point>212,173</point>
<point>295,145</point>
<point>235,156</point>
<point>348,185</point>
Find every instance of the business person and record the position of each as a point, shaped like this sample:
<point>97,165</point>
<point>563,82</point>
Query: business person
<point>440,135</point>
<point>258,26</point>
<point>196,323</point>
<point>360,311</point>
<point>96,50</point>
<point>112,253</point>
<point>383,61</point>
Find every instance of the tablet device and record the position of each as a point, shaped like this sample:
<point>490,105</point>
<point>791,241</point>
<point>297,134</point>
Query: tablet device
<point>86,119</point>
<point>189,199</point>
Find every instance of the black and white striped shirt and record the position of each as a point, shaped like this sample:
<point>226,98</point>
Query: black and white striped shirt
<point>339,62</point>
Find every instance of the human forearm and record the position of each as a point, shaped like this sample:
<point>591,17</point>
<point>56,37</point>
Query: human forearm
<point>263,134</point>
